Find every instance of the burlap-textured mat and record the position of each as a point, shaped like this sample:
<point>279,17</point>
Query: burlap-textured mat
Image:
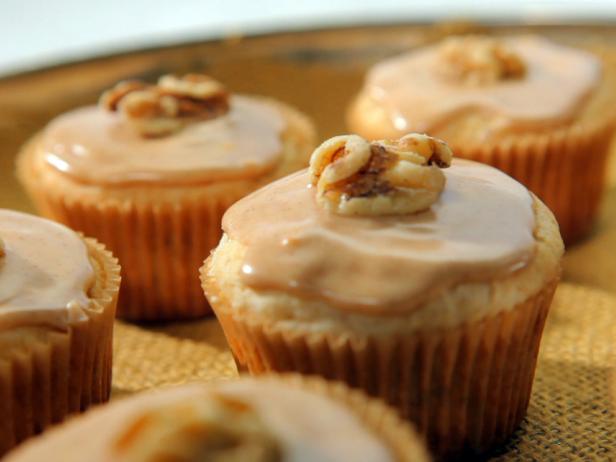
<point>571,416</point>
<point>148,358</point>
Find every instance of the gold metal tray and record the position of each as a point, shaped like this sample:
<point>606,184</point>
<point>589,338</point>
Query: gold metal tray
<point>571,416</point>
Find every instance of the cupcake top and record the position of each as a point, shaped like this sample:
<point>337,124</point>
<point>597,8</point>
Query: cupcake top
<point>489,86</point>
<point>382,227</point>
<point>180,131</point>
<point>249,420</point>
<point>45,272</point>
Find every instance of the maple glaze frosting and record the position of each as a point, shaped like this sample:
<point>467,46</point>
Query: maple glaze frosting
<point>309,426</point>
<point>45,272</point>
<point>480,229</point>
<point>96,146</point>
<point>286,423</point>
<point>417,95</point>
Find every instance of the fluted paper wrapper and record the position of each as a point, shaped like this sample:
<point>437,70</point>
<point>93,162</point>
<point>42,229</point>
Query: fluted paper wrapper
<point>382,420</point>
<point>466,388</point>
<point>46,374</point>
<point>160,246</point>
<point>566,169</point>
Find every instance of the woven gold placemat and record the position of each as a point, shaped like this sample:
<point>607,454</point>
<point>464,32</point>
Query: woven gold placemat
<point>571,416</point>
<point>147,357</point>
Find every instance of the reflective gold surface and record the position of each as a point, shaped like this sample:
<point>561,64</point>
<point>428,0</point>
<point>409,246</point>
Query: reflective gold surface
<point>318,71</point>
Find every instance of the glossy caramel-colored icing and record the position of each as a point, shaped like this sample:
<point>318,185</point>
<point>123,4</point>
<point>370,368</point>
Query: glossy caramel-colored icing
<point>307,426</point>
<point>95,146</point>
<point>480,229</point>
<point>416,96</point>
<point>45,272</point>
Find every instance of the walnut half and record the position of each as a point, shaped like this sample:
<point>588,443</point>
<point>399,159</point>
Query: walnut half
<point>164,108</point>
<point>478,60</point>
<point>386,177</point>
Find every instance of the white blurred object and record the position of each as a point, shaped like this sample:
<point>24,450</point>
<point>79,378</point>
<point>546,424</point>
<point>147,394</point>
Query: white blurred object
<point>38,33</point>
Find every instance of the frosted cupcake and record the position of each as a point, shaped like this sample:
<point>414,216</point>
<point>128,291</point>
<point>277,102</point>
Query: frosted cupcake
<point>266,420</point>
<point>58,296</point>
<point>151,170</point>
<point>423,281</point>
<point>541,112</point>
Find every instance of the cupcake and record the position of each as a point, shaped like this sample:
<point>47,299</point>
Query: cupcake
<point>541,112</point>
<point>151,170</point>
<point>269,419</point>
<point>58,294</point>
<point>423,285</point>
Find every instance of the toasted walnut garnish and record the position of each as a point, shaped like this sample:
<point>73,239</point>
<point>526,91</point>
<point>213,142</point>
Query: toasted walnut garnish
<point>110,98</point>
<point>478,60</point>
<point>198,95</point>
<point>213,428</point>
<point>197,86</point>
<point>150,113</point>
<point>386,177</point>
<point>158,110</point>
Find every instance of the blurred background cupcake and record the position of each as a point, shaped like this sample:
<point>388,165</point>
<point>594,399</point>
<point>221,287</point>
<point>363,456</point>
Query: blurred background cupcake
<point>539,111</point>
<point>424,282</point>
<point>58,294</point>
<point>151,170</point>
<point>271,419</point>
